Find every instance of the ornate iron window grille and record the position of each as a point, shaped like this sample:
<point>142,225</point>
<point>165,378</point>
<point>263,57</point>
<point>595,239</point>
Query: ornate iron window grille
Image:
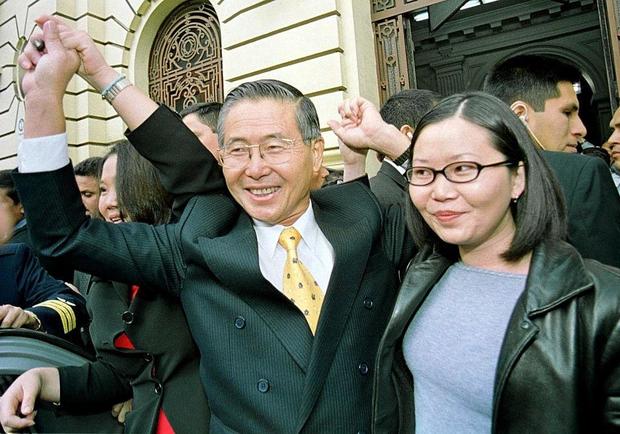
<point>185,65</point>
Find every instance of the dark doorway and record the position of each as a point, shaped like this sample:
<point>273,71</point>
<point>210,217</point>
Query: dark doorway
<point>460,52</point>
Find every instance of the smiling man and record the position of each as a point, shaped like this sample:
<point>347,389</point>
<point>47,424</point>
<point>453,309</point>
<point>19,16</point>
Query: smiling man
<point>540,91</point>
<point>286,292</point>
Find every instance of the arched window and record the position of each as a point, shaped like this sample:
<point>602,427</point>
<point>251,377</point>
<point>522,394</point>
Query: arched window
<point>185,65</point>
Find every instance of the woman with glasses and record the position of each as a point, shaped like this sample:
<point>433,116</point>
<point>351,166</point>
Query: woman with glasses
<point>499,326</point>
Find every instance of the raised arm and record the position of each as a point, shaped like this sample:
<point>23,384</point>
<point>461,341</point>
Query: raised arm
<point>361,128</point>
<point>156,132</point>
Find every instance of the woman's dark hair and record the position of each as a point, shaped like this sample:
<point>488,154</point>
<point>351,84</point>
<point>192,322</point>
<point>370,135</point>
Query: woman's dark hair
<point>539,213</point>
<point>139,192</point>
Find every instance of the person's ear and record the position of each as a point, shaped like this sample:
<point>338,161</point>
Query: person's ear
<point>407,130</point>
<point>518,183</point>
<point>521,109</point>
<point>317,154</point>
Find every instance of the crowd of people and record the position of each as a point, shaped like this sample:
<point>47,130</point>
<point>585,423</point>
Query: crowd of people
<point>471,286</point>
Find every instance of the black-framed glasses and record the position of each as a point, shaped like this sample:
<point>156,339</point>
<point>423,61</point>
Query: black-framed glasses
<point>275,150</point>
<point>458,172</point>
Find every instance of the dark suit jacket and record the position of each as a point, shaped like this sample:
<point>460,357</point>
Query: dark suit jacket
<point>262,369</point>
<point>24,283</point>
<point>57,269</point>
<point>592,203</point>
<point>162,372</point>
<point>389,186</point>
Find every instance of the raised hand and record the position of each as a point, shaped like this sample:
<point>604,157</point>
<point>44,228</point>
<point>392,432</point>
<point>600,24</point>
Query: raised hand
<point>47,72</point>
<point>361,127</point>
<point>93,66</point>
<point>360,123</point>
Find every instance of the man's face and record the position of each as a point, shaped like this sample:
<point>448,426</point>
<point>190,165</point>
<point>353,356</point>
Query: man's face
<point>206,136</point>
<point>272,193</point>
<point>89,190</point>
<point>558,127</point>
<point>613,143</point>
<point>10,214</point>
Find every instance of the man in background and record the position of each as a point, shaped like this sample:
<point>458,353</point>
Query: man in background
<point>14,223</point>
<point>541,92</point>
<point>613,147</point>
<point>87,178</point>
<point>403,110</point>
<point>202,118</point>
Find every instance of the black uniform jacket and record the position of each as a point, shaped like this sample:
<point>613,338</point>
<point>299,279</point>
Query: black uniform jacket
<point>262,369</point>
<point>559,365</point>
<point>24,283</point>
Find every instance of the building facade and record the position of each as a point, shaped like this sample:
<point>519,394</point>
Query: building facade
<point>185,51</point>
<point>323,47</point>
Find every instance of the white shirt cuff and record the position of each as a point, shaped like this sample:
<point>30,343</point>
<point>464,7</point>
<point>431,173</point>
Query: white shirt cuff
<point>43,154</point>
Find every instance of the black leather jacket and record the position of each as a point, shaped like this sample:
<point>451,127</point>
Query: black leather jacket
<point>559,365</point>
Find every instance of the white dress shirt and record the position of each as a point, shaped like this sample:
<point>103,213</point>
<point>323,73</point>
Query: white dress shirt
<point>49,153</point>
<point>400,169</point>
<point>42,154</point>
<point>314,250</point>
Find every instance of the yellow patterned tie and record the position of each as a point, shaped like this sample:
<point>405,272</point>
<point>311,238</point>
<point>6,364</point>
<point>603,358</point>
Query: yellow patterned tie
<point>298,284</point>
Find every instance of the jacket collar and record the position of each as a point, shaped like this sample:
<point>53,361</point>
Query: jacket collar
<point>557,273</point>
<point>390,171</point>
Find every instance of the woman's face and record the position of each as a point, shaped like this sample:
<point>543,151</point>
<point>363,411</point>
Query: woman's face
<point>472,215</point>
<point>108,205</point>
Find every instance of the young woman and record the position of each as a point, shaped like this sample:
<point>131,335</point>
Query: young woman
<point>499,325</point>
<point>145,352</point>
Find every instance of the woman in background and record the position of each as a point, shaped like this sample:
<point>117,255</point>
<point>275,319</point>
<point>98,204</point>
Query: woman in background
<point>146,358</point>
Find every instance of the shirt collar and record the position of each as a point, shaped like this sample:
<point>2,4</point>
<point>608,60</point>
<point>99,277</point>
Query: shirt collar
<point>400,169</point>
<point>20,224</point>
<point>267,235</point>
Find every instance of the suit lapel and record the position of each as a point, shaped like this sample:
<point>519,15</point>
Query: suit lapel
<point>233,259</point>
<point>391,172</point>
<point>351,256</point>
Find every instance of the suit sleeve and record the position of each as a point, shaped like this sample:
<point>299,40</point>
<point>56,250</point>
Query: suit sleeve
<point>134,253</point>
<point>91,387</point>
<point>594,224</point>
<point>185,166</point>
<point>62,311</point>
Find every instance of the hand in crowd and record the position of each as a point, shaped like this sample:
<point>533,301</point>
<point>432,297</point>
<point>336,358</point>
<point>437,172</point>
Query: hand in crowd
<point>16,317</point>
<point>120,410</point>
<point>361,127</point>
<point>17,404</point>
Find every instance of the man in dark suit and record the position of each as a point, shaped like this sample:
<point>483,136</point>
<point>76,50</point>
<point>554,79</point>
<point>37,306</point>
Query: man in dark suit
<point>541,92</point>
<point>275,358</point>
<point>403,110</point>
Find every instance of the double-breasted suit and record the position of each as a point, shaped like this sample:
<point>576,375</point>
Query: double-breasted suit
<point>262,369</point>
